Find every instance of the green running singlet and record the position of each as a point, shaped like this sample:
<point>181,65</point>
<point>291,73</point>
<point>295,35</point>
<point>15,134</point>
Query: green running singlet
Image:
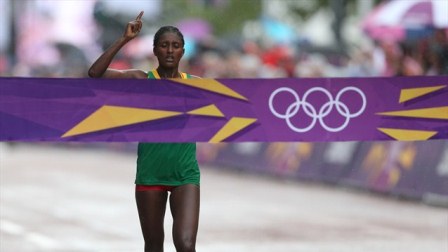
<point>171,164</point>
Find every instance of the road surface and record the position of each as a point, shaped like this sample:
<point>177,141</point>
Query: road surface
<point>55,198</point>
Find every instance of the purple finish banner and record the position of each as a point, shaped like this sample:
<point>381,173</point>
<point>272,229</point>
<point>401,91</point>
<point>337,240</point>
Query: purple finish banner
<point>224,110</point>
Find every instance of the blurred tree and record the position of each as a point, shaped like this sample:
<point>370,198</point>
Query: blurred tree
<point>340,12</point>
<point>226,16</point>
<point>305,8</point>
<point>112,27</point>
<point>341,9</point>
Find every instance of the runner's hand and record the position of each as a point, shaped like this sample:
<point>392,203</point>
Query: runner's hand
<point>133,28</point>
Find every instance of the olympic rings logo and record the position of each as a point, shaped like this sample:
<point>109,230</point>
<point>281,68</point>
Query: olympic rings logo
<point>317,115</point>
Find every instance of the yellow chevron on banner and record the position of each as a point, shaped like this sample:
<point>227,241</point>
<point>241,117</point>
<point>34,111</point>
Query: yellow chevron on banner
<point>412,93</point>
<point>234,125</point>
<point>210,110</point>
<point>408,135</point>
<point>432,113</point>
<point>108,117</point>
<point>210,85</point>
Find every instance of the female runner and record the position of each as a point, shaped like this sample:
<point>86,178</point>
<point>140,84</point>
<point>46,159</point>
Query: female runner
<point>161,167</point>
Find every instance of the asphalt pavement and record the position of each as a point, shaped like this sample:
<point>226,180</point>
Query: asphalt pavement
<point>81,198</point>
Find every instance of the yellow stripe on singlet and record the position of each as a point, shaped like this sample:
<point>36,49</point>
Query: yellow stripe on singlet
<point>157,76</point>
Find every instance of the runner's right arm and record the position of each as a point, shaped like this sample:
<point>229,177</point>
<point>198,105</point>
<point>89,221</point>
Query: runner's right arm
<point>100,68</point>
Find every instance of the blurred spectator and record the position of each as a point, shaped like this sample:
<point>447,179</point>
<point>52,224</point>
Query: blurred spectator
<point>407,64</point>
<point>361,63</point>
<point>41,56</point>
<point>439,53</point>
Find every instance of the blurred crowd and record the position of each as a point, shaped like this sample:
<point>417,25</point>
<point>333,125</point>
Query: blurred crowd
<point>254,59</point>
<point>214,57</point>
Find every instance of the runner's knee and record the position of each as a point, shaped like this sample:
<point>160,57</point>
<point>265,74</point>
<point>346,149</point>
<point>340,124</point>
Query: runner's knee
<point>185,244</point>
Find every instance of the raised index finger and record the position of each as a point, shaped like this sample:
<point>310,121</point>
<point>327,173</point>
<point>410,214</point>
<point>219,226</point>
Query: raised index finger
<point>140,15</point>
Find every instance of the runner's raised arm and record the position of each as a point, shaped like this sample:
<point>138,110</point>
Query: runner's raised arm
<point>100,68</point>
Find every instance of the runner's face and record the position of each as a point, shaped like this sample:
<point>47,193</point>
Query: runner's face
<point>169,50</point>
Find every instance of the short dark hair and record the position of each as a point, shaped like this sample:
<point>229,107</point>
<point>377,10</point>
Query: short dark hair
<point>165,29</point>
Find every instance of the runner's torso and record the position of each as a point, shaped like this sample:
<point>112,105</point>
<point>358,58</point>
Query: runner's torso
<point>170,164</point>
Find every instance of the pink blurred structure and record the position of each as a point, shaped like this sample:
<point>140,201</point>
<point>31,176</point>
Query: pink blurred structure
<point>399,19</point>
